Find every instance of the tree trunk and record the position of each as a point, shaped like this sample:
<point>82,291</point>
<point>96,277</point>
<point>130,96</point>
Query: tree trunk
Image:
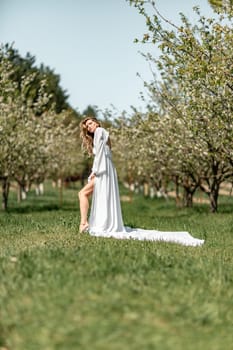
<point>212,191</point>
<point>83,177</point>
<point>5,192</point>
<point>21,195</point>
<point>189,186</point>
<point>146,189</point>
<point>60,186</point>
<point>214,197</point>
<point>188,198</point>
<point>177,191</point>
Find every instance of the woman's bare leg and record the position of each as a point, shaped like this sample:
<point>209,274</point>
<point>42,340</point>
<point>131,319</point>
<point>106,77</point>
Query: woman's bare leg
<point>83,195</point>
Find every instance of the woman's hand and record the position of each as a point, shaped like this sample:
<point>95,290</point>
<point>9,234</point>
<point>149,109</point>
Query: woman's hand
<point>91,177</point>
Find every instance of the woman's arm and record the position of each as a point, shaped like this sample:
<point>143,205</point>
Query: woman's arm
<point>100,139</point>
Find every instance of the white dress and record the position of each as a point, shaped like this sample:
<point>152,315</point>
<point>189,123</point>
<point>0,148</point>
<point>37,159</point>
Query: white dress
<point>105,217</point>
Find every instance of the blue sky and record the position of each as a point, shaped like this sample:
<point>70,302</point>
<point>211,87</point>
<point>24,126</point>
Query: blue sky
<point>89,43</point>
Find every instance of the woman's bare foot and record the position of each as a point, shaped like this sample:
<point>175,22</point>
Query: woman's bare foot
<point>83,227</point>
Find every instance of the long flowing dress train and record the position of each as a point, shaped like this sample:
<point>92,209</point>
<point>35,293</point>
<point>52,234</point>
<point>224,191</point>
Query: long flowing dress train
<point>105,216</point>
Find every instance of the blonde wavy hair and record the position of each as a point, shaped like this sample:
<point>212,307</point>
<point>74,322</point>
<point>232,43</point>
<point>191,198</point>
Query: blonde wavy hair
<point>86,136</point>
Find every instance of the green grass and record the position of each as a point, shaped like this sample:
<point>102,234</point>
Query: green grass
<point>61,290</point>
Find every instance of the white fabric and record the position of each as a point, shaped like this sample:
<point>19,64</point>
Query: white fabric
<point>105,216</point>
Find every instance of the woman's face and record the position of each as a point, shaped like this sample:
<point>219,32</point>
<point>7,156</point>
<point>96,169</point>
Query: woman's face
<point>91,125</point>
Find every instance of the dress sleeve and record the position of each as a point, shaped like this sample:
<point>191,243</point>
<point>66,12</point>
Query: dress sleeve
<point>100,139</point>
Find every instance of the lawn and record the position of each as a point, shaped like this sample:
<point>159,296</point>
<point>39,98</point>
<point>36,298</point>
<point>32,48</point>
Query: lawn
<point>61,290</point>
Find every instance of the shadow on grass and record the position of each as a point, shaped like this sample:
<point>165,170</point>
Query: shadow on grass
<point>34,208</point>
<point>143,206</point>
<point>48,202</point>
<point>27,208</point>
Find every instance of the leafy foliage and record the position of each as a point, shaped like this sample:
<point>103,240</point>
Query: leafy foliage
<point>36,141</point>
<point>221,5</point>
<point>25,67</point>
<point>187,133</point>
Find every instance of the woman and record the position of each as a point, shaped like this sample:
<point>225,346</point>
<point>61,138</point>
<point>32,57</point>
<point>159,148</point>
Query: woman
<point>105,213</point>
<point>105,216</point>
